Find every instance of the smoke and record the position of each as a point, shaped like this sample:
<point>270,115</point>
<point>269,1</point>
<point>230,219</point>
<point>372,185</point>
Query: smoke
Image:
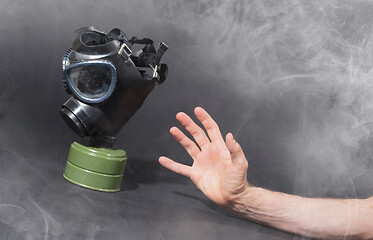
<point>305,69</point>
<point>21,217</point>
<point>291,79</point>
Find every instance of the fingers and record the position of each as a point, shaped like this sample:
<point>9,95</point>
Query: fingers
<point>210,125</point>
<point>197,132</point>
<point>188,144</point>
<point>175,167</point>
<point>234,148</point>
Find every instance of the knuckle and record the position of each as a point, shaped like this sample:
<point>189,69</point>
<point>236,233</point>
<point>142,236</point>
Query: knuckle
<point>189,148</point>
<point>179,138</point>
<point>198,135</point>
<point>209,124</point>
<point>192,130</point>
<point>238,147</point>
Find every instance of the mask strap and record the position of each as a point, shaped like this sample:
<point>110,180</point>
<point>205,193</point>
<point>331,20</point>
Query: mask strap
<point>161,50</point>
<point>116,34</point>
<point>134,40</point>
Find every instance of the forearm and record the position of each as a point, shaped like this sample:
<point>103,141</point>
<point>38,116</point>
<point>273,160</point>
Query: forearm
<point>315,218</point>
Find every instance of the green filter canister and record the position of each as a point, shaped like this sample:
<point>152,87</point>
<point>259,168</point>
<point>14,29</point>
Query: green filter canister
<point>98,169</point>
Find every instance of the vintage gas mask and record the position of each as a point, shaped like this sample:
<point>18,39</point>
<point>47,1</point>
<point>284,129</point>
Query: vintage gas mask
<point>108,83</point>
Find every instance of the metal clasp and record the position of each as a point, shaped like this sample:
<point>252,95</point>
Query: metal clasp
<point>125,52</point>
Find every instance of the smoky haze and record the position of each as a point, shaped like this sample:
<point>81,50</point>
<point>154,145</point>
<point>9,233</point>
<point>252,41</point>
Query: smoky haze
<point>292,80</point>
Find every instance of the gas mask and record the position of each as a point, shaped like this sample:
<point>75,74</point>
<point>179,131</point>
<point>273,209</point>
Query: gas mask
<point>108,83</point>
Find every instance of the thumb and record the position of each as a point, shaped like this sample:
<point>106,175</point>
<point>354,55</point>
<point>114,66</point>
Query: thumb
<point>234,148</point>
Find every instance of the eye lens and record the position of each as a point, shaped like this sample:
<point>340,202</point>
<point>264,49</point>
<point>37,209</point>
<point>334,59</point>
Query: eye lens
<point>91,82</point>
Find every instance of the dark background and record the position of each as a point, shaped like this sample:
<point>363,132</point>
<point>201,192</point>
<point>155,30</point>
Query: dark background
<point>292,80</point>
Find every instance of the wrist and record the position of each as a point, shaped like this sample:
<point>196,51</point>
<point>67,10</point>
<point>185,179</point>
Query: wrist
<point>246,202</point>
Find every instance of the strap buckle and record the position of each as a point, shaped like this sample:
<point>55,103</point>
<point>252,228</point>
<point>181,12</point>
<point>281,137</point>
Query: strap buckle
<point>125,52</point>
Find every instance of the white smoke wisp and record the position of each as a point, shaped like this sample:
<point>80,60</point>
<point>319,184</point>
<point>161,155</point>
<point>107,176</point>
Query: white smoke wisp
<point>311,56</point>
<point>17,221</point>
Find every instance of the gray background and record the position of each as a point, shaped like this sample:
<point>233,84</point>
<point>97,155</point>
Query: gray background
<point>292,80</point>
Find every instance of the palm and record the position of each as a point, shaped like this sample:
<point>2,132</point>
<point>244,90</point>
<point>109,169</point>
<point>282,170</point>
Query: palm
<point>219,168</point>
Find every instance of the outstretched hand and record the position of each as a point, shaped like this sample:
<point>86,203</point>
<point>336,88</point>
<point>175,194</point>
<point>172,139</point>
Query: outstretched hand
<point>219,169</point>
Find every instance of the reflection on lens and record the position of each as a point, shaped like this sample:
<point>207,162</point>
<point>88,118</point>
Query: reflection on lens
<point>91,82</point>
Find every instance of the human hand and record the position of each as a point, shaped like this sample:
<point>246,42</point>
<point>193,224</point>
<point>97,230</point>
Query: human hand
<point>219,169</point>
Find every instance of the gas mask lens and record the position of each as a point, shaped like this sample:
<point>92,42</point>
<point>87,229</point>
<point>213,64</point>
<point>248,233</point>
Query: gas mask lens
<point>91,82</point>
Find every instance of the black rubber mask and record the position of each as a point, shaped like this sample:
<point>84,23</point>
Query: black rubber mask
<point>107,81</point>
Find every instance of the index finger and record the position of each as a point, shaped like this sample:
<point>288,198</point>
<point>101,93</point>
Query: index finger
<point>210,125</point>
<point>198,134</point>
